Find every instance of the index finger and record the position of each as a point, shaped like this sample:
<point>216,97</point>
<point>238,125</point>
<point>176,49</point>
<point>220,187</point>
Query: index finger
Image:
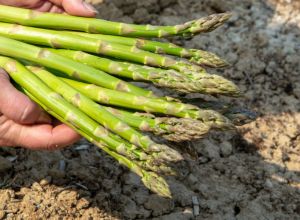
<point>76,7</point>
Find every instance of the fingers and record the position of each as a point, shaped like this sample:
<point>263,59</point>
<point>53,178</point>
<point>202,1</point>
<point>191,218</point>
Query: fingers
<point>36,137</point>
<point>73,7</point>
<point>76,7</point>
<point>56,9</point>
<point>18,107</point>
<point>24,3</point>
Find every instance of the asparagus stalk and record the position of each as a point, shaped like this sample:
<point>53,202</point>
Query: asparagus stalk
<point>35,86</point>
<point>172,129</point>
<point>111,97</point>
<point>101,115</point>
<point>182,129</point>
<point>150,179</point>
<point>59,39</point>
<point>199,57</point>
<point>149,162</point>
<point>206,83</point>
<point>16,49</point>
<point>80,120</point>
<point>55,21</point>
<point>207,24</point>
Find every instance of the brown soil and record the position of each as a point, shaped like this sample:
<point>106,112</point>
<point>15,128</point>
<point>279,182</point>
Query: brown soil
<point>251,174</point>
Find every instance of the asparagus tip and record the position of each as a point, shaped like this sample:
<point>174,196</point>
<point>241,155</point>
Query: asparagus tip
<point>215,120</point>
<point>167,154</point>
<point>209,23</point>
<point>158,167</point>
<point>182,129</point>
<point>208,59</point>
<point>215,84</point>
<point>156,184</point>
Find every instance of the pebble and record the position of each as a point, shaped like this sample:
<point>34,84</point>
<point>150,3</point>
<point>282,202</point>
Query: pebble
<point>196,205</point>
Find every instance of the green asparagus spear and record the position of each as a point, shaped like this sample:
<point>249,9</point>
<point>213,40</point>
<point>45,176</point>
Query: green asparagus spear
<point>172,129</point>
<point>98,113</point>
<point>111,97</point>
<point>199,57</point>
<point>59,39</point>
<point>207,24</point>
<point>42,92</point>
<point>16,49</point>
<point>150,179</point>
<point>206,83</point>
<point>78,119</point>
<point>60,21</point>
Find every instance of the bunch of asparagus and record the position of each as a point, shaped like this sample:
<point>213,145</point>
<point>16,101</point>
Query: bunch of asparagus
<point>82,80</point>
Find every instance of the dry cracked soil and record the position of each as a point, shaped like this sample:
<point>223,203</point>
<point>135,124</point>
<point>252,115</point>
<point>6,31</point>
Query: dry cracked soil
<point>253,173</point>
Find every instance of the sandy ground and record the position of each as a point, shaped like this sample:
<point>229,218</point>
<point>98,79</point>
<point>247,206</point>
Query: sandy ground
<point>251,174</point>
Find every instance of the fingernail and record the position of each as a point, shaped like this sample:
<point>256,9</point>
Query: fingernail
<point>90,7</point>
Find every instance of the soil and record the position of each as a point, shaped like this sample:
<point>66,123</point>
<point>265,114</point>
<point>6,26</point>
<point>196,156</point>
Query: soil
<point>253,173</point>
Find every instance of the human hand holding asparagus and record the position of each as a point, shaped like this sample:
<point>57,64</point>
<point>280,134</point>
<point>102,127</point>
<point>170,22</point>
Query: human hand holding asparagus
<point>84,83</point>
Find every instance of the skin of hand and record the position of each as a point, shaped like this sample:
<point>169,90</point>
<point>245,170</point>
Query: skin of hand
<point>22,122</point>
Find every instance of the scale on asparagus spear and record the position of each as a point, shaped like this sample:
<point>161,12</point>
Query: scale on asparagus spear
<point>83,82</point>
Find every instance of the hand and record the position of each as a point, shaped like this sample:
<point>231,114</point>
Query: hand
<point>22,122</point>
<point>73,7</point>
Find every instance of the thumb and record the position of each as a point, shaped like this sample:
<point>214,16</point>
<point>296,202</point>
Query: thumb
<point>76,7</point>
<point>17,106</point>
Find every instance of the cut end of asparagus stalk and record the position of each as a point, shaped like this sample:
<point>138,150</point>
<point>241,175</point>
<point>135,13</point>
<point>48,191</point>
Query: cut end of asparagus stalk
<point>208,59</point>
<point>180,129</point>
<point>156,184</point>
